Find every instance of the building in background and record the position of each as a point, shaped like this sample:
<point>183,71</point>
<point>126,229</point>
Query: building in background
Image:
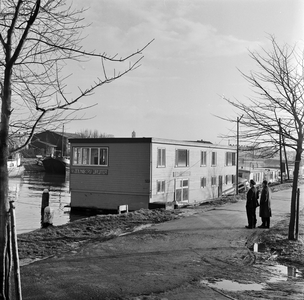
<point>139,172</point>
<point>52,143</point>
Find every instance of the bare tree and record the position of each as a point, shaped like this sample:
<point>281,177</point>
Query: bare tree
<point>38,39</point>
<point>277,107</point>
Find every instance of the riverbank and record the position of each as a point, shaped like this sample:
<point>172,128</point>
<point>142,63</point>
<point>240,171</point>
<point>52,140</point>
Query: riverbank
<point>53,240</point>
<point>47,242</point>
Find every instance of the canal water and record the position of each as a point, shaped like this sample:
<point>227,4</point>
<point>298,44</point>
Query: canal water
<point>26,192</point>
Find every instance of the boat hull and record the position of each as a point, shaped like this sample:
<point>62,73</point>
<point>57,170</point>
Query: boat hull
<point>55,165</point>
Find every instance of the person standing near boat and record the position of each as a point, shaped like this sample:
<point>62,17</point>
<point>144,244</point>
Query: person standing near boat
<point>265,206</point>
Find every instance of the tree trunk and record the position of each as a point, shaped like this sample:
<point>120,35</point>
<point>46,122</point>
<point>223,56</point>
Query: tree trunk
<point>4,208</point>
<point>291,233</point>
<point>4,203</point>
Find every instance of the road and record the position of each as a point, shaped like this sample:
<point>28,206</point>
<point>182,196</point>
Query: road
<point>175,260</point>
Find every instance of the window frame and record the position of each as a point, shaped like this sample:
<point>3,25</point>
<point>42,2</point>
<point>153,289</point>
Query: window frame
<point>230,158</point>
<point>177,165</point>
<point>213,158</point>
<point>203,158</point>
<point>180,185</point>
<point>203,182</point>
<point>84,156</point>
<point>161,158</point>
<point>213,180</point>
<point>160,186</point>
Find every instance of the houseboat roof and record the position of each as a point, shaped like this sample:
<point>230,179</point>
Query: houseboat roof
<point>199,143</point>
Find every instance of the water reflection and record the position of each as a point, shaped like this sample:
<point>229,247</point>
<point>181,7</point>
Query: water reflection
<point>27,194</point>
<point>283,273</point>
<point>234,286</point>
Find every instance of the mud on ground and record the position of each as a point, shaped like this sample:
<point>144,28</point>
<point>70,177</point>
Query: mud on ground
<point>46,242</point>
<point>53,240</point>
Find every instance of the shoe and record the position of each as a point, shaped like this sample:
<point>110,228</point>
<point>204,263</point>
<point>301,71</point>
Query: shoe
<point>248,227</point>
<point>261,226</point>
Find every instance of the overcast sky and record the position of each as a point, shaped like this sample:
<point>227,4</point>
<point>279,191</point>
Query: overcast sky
<point>194,60</point>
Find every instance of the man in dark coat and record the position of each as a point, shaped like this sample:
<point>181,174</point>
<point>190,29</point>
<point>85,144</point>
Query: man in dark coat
<point>251,205</point>
<point>265,206</point>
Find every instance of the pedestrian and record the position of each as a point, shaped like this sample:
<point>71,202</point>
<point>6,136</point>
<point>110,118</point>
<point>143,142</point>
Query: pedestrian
<point>251,205</point>
<point>265,205</point>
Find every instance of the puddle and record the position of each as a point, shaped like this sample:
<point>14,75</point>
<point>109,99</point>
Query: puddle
<point>283,273</point>
<point>279,273</point>
<point>233,286</point>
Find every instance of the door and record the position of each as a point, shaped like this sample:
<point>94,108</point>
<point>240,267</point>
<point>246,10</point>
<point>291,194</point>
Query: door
<point>181,190</point>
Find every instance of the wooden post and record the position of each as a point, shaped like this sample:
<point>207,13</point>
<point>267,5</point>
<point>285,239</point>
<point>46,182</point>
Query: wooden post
<point>45,201</point>
<point>298,213</point>
<point>15,253</point>
<point>47,217</point>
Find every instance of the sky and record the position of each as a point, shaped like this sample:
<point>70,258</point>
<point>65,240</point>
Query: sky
<point>199,48</point>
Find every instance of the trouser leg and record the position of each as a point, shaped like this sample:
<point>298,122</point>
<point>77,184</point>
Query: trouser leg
<point>251,217</point>
<point>254,218</point>
<point>248,216</point>
<point>267,222</point>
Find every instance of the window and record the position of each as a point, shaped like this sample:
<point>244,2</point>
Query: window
<point>230,158</point>
<point>228,179</point>
<point>94,156</point>
<point>161,157</point>
<point>181,190</point>
<point>213,159</point>
<point>85,156</point>
<point>182,158</point>
<point>160,186</point>
<point>203,182</point>
<point>233,158</point>
<point>203,158</point>
<point>233,179</point>
<point>213,180</point>
<point>90,156</point>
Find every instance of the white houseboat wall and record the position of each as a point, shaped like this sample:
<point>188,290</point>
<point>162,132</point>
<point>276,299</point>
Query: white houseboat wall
<point>139,172</point>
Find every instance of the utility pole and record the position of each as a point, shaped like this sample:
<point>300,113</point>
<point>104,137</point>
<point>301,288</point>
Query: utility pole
<point>237,156</point>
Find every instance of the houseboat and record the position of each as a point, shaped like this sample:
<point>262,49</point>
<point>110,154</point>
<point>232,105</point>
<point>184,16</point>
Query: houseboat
<point>139,172</point>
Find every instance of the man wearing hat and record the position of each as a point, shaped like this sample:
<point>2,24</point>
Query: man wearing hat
<point>251,205</point>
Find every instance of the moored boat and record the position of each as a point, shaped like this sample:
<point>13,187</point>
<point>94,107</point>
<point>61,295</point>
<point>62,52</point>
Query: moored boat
<point>56,165</point>
<point>14,167</point>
